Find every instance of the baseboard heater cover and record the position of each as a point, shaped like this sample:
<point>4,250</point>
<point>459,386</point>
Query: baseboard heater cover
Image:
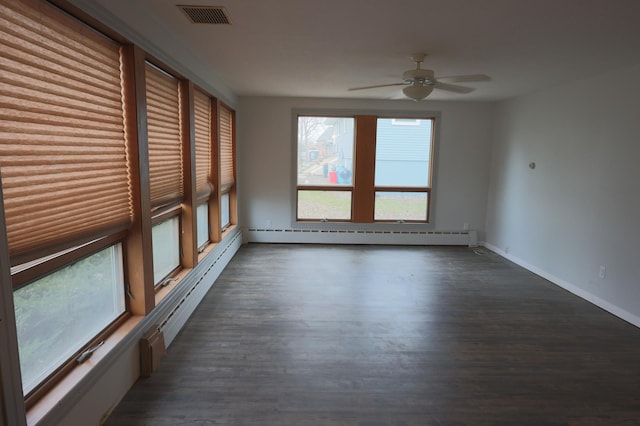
<point>187,303</point>
<point>349,236</point>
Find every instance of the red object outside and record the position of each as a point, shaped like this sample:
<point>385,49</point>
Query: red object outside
<point>333,177</point>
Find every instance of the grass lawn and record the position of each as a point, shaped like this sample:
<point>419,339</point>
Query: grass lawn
<point>337,205</point>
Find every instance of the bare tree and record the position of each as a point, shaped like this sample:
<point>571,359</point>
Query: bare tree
<point>309,129</point>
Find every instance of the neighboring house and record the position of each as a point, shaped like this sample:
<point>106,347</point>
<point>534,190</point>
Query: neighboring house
<point>402,152</point>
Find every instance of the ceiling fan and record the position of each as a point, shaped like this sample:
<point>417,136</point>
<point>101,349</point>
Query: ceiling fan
<point>420,82</point>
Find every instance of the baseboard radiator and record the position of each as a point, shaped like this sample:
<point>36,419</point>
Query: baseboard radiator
<point>191,295</point>
<point>344,236</point>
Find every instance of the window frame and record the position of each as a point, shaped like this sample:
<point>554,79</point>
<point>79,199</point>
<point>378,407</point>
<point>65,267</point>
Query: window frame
<point>25,274</point>
<point>204,197</point>
<point>174,211</point>
<point>178,206</point>
<point>398,121</point>
<point>226,188</point>
<point>322,188</point>
<point>205,203</point>
<point>369,197</point>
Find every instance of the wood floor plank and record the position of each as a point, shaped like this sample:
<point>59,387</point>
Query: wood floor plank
<point>376,335</point>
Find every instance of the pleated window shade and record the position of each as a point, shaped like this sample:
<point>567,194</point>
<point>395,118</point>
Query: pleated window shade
<point>165,147</point>
<point>62,148</point>
<point>202,116</point>
<point>226,148</point>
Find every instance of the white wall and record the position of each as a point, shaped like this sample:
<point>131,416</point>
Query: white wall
<point>265,158</point>
<point>579,208</point>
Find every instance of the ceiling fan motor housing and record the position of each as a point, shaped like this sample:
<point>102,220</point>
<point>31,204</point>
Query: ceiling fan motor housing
<point>421,75</point>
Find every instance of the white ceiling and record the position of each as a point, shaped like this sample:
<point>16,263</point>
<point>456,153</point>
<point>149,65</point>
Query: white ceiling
<point>320,48</point>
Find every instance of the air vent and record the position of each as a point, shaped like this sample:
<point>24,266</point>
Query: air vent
<point>206,14</point>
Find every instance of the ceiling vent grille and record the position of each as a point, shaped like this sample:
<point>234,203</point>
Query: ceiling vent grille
<point>206,14</point>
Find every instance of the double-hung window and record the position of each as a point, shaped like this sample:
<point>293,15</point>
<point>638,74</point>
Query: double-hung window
<point>203,157</point>
<point>364,168</point>
<point>165,168</point>
<point>227,166</point>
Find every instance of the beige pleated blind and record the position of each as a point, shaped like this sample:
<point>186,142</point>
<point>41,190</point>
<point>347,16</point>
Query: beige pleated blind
<point>226,147</point>
<point>165,147</point>
<point>62,146</point>
<point>202,117</point>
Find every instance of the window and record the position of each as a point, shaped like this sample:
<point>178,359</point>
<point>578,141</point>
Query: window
<point>65,176</point>
<point>364,169</point>
<point>324,205</point>
<point>165,169</point>
<point>225,214</point>
<point>165,147</point>
<point>203,157</point>
<point>325,167</point>
<point>56,315</point>
<point>227,166</point>
<point>63,156</point>
<point>401,206</point>
<point>166,248</point>
<point>202,218</point>
<point>402,169</point>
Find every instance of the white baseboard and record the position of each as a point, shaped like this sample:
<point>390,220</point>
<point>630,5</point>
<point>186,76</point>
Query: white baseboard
<point>572,288</point>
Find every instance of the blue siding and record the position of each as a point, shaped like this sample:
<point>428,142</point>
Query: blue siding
<point>402,173</point>
<point>402,152</point>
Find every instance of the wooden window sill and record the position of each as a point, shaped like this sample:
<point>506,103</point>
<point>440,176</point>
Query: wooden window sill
<point>68,385</point>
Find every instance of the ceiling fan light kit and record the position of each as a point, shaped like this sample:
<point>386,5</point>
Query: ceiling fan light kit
<point>419,82</point>
<point>417,92</point>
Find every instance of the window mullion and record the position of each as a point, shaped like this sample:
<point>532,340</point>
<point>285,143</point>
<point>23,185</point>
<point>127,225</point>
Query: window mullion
<point>363,200</point>
<point>139,265</point>
<point>189,235</point>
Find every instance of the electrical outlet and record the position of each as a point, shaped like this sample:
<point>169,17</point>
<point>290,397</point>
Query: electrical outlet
<point>268,223</point>
<point>465,226</point>
<point>603,272</point>
<point>506,250</point>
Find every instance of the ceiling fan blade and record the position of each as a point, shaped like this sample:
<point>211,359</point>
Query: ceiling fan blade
<point>453,88</point>
<point>377,85</point>
<point>465,78</point>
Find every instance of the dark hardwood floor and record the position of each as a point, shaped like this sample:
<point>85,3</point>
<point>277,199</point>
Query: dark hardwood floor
<point>371,335</point>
